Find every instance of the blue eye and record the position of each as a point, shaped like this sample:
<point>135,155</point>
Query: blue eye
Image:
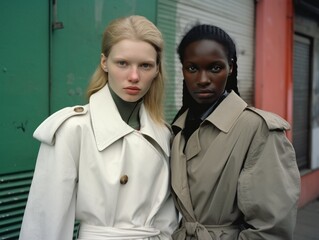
<point>146,65</point>
<point>122,63</point>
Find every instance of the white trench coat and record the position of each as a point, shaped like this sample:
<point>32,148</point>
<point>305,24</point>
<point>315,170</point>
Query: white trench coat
<point>84,153</point>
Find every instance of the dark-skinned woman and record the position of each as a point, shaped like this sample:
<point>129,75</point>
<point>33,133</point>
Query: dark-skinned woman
<point>234,172</point>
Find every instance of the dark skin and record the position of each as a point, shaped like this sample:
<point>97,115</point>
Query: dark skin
<point>205,70</point>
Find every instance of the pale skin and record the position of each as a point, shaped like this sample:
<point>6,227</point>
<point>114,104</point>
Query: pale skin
<point>131,67</point>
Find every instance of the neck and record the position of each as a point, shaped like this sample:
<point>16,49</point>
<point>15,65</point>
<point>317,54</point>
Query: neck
<point>129,111</point>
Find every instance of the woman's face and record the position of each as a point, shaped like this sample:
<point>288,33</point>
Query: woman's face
<point>205,70</point>
<point>131,67</point>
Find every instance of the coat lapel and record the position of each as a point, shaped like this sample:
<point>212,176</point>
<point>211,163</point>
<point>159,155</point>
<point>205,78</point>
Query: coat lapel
<point>179,170</point>
<point>227,113</point>
<point>109,127</point>
<point>179,178</point>
<point>220,118</point>
<point>159,133</point>
<point>193,144</point>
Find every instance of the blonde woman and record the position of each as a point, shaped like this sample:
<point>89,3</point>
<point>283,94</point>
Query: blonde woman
<point>106,163</point>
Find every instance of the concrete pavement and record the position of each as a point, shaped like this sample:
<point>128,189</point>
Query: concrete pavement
<point>307,227</point>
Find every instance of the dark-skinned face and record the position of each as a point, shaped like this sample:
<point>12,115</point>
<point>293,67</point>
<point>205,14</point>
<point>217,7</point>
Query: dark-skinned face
<point>205,70</point>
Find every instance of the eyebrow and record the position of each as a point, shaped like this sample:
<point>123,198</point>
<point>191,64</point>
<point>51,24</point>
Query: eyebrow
<point>210,62</point>
<point>140,60</point>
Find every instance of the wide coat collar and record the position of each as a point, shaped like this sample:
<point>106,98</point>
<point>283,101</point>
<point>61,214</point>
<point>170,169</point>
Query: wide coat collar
<point>224,116</point>
<point>108,125</point>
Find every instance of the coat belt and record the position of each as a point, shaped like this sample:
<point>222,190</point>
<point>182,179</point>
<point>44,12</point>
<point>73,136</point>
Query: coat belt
<point>92,232</point>
<point>206,232</point>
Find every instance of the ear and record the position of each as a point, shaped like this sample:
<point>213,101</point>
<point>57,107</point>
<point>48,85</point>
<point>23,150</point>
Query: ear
<point>157,71</point>
<point>104,62</point>
<point>230,68</point>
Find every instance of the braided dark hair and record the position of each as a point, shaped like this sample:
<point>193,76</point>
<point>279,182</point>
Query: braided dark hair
<point>209,32</point>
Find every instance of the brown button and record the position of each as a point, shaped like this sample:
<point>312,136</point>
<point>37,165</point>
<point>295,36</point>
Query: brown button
<point>124,179</point>
<point>78,109</point>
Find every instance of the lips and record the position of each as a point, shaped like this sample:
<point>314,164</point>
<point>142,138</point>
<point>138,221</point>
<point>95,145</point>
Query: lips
<point>204,93</point>
<point>132,90</point>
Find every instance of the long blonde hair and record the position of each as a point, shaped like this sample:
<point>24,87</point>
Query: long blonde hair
<point>135,28</point>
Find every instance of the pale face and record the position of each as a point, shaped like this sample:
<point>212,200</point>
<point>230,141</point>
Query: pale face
<point>131,68</point>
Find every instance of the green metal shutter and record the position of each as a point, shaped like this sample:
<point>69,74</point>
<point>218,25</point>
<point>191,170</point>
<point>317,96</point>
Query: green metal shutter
<point>14,189</point>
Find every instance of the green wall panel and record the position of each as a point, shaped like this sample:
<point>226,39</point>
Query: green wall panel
<point>76,47</point>
<point>23,80</point>
<point>24,101</point>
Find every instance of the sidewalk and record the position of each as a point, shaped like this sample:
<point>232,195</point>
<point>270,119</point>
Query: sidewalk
<point>307,227</point>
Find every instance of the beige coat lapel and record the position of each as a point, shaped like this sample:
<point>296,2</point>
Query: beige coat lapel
<point>179,178</point>
<point>179,163</point>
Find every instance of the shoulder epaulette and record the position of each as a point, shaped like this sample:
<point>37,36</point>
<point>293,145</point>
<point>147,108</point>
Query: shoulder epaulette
<point>272,120</point>
<point>47,129</point>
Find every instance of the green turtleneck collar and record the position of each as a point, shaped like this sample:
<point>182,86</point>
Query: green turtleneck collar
<point>129,111</point>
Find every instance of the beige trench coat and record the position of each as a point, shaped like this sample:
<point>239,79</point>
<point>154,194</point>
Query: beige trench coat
<point>238,167</point>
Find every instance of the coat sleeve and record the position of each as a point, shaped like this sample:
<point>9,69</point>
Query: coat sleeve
<point>269,187</point>
<point>50,210</point>
<point>166,219</point>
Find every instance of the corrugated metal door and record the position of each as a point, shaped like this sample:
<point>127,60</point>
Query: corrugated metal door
<point>236,17</point>
<point>301,112</point>
<point>166,17</point>
<point>24,63</point>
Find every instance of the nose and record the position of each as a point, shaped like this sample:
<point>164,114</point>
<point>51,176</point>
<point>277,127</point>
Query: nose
<point>203,79</point>
<point>134,74</point>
